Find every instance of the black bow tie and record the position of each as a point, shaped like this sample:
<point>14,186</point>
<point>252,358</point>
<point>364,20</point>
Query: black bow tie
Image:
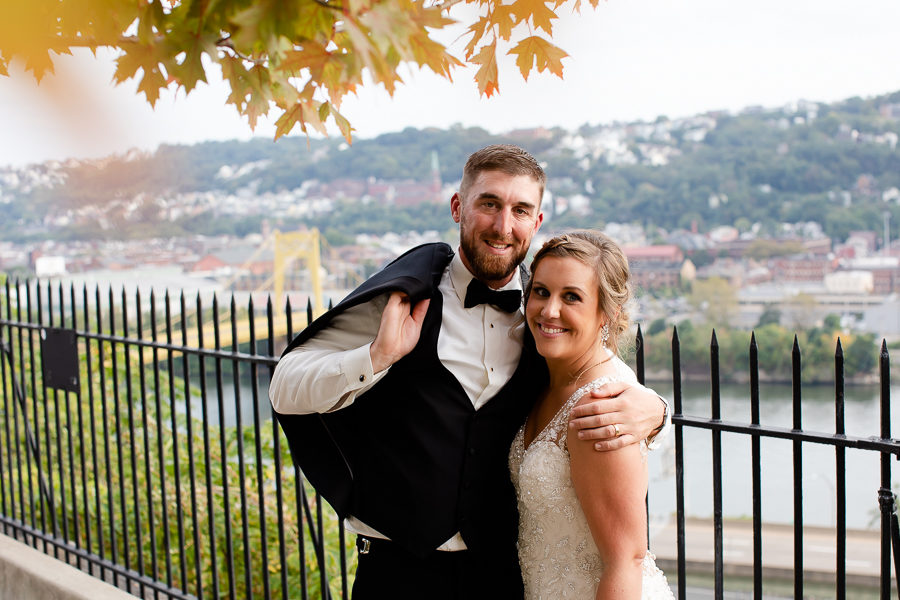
<point>479,293</point>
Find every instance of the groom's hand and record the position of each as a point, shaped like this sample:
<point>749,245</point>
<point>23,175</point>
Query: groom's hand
<point>398,333</point>
<point>621,414</point>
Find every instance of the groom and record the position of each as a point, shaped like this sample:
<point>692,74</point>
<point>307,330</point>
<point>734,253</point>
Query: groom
<point>400,403</point>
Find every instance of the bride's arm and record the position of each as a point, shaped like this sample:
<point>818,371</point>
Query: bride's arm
<point>611,487</point>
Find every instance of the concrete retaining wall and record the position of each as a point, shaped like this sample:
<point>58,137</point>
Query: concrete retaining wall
<point>28,574</point>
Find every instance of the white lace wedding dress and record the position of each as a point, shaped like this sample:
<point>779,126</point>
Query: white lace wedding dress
<point>556,551</point>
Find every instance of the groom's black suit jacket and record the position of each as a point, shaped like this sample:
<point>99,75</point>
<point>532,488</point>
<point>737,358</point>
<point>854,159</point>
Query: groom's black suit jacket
<point>411,456</point>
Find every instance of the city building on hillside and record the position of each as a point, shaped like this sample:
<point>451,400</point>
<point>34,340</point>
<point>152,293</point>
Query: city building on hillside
<point>731,270</point>
<point>850,282</point>
<point>229,262</point>
<point>884,271</point>
<point>806,268</point>
<point>655,267</point>
<point>863,242</point>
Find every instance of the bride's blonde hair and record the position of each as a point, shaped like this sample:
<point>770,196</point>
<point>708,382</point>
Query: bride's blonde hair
<point>610,265</point>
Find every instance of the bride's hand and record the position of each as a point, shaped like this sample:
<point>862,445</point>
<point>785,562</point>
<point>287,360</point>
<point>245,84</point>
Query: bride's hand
<point>398,333</point>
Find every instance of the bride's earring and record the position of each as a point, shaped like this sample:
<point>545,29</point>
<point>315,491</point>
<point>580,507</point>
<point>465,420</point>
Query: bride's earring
<point>604,334</point>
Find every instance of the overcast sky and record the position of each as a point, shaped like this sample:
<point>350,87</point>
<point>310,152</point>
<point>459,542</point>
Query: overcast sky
<point>629,60</point>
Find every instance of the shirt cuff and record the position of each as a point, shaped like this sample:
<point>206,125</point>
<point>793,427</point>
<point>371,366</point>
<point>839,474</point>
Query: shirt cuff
<point>356,369</point>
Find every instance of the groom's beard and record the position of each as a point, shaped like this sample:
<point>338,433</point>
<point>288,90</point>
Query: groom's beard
<point>489,267</point>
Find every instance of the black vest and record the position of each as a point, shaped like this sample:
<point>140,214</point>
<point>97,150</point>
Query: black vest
<point>411,456</point>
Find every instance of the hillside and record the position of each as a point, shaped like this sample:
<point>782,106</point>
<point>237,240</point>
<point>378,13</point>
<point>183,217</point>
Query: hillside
<point>836,164</point>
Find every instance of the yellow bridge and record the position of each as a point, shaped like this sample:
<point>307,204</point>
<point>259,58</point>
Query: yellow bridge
<point>287,247</point>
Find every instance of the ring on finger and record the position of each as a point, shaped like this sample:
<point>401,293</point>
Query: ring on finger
<point>616,428</point>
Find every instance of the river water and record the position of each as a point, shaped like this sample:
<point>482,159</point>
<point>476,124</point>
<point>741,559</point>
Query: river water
<point>862,419</point>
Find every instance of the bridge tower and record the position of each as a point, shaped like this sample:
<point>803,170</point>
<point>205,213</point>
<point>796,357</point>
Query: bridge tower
<point>292,245</point>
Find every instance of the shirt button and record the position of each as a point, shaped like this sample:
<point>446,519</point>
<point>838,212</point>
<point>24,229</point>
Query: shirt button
<point>362,378</point>
<point>471,451</point>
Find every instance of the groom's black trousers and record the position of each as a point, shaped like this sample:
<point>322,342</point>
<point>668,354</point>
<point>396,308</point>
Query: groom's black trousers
<point>389,572</point>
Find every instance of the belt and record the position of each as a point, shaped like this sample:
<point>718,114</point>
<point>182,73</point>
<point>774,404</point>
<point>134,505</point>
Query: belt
<point>364,545</point>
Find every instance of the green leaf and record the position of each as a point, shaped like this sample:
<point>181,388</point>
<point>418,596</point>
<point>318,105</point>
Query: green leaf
<point>190,70</point>
<point>151,83</point>
<point>324,111</point>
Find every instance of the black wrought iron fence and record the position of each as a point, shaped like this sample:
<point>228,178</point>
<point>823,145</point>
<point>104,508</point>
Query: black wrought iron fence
<point>137,444</point>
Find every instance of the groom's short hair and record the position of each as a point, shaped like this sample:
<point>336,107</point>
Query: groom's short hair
<point>505,158</point>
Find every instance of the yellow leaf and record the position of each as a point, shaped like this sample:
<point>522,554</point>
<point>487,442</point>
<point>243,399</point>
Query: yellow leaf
<point>537,10</point>
<point>486,77</point>
<point>312,56</point>
<point>343,124</point>
<point>255,107</point>
<point>429,53</point>
<point>39,64</point>
<point>314,21</point>
<point>536,50</point>
<point>477,30</point>
<point>288,120</point>
<point>502,19</point>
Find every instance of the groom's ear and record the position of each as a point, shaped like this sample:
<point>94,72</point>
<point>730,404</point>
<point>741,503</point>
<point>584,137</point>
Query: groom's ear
<point>456,207</point>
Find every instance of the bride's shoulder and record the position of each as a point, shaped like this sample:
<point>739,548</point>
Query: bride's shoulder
<point>621,371</point>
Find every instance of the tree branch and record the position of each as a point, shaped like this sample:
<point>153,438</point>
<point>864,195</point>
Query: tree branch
<point>226,42</point>
<point>326,4</point>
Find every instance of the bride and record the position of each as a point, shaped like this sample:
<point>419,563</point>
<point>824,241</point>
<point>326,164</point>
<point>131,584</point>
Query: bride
<point>582,517</point>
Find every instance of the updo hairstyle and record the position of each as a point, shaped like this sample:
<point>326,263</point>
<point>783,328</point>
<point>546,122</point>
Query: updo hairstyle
<point>610,266</point>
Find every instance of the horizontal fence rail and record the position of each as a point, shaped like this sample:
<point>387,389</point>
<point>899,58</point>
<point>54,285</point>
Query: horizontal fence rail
<point>137,443</point>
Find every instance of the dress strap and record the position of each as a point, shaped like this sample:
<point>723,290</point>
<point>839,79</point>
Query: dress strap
<point>558,424</point>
